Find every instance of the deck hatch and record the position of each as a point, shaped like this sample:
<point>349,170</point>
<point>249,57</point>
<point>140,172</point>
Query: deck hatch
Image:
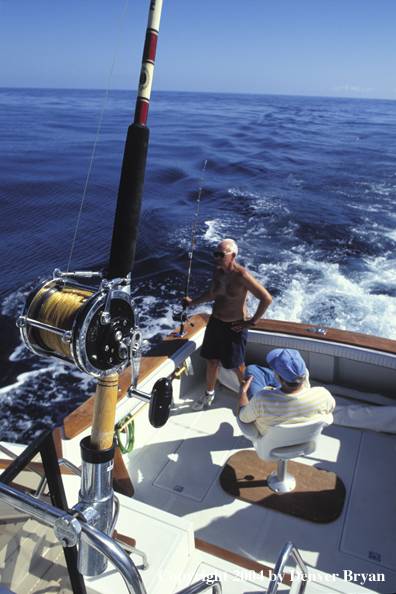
<point>370,512</point>
<point>197,456</point>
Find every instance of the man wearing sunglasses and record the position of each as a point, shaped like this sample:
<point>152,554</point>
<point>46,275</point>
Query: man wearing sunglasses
<point>226,333</point>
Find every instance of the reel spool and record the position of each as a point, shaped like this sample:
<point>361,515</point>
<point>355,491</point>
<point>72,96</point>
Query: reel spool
<point>95,330</point>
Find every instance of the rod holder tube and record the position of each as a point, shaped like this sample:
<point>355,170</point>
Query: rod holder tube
<point>96,492</point>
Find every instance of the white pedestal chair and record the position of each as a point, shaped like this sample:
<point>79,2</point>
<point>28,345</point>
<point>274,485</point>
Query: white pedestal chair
<point>282,443</point>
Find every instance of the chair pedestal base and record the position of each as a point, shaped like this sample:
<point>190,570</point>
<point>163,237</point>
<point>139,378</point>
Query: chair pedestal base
<point>281,481</point>
<point>284,486</point>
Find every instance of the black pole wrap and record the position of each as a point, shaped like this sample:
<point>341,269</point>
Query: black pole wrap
<point>129,202</point>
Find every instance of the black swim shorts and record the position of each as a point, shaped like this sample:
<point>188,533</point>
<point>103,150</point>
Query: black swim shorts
<point>221,342</point>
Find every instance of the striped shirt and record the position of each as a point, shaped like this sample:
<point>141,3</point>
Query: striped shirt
<point>272,407</point>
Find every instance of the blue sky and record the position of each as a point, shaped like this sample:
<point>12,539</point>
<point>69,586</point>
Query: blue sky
<point>334,48</point>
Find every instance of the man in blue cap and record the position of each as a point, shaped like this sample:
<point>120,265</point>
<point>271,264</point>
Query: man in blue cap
<point>282,393</point>
<point>264,376</point>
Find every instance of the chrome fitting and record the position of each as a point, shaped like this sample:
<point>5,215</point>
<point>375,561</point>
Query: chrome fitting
<point>96,495</point>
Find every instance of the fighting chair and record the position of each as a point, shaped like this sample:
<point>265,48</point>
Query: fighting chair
<point>284,442</point>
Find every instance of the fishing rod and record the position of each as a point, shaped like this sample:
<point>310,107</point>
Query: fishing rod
<point>130,192</point>
<point>97,329</point>
<point>182,316</point>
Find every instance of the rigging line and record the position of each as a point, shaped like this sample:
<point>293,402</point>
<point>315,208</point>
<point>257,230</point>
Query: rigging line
<point>95,143</point>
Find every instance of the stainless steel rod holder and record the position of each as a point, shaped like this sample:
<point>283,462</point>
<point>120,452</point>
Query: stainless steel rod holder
<point>96,493</point>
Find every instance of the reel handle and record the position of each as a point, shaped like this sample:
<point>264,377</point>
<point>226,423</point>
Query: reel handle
<point>160,401</point>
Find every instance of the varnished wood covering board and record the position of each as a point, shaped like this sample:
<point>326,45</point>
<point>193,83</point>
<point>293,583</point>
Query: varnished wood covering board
<point>57,437</point>
<point>332,335</point>
<point>81,418</point>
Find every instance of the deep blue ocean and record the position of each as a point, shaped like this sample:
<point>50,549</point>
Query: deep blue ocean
<point>306,187</point>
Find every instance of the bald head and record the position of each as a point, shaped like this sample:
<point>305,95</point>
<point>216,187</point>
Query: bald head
<point>229,245</point>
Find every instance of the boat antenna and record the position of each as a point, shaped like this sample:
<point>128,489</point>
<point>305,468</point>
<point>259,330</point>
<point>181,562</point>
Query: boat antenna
<point>182,316</point>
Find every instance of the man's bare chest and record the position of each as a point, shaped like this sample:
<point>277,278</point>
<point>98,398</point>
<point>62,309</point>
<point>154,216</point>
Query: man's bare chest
<point>229,286</point>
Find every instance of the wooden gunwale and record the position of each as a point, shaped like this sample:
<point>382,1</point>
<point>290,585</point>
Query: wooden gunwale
<point>81,418</point>
<point>4,463</point>
<point>332,335</point>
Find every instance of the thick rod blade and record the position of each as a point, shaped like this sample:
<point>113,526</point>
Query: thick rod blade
<point>130,193</point>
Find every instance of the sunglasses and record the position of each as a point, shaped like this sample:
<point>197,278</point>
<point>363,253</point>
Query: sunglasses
<point>221,254</point>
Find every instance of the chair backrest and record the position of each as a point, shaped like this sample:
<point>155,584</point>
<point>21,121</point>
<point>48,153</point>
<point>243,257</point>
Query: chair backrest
<point>289,440</point>
<point>249,430</point>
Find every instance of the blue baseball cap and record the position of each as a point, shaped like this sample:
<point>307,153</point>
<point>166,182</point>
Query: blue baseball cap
<point>287,363</point>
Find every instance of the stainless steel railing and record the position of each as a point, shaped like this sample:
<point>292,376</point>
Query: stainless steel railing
<point>203,586</point>
<point>69,530</point>
<point>288,549</point>
<point>73,530</point>
<point>49,516</point>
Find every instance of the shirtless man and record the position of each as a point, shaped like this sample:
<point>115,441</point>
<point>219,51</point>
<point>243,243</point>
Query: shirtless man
<point>226,332</point>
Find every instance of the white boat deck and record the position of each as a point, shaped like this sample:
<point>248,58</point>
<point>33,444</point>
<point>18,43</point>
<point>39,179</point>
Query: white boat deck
<point>176,469</point>
<point>175,473</point>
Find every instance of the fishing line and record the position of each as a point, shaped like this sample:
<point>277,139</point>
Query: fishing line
<point>96,140</point>
<point>57,308</point>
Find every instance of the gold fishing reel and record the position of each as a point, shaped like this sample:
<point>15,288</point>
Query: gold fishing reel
<point>94,329</point>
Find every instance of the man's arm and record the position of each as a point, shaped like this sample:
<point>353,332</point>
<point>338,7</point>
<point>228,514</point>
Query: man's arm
<point>242,398</point>
<point>261,294</point>
<point>208,295</point>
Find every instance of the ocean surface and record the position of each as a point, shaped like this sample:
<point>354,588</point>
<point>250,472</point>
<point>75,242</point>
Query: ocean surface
<point>306,187</point>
